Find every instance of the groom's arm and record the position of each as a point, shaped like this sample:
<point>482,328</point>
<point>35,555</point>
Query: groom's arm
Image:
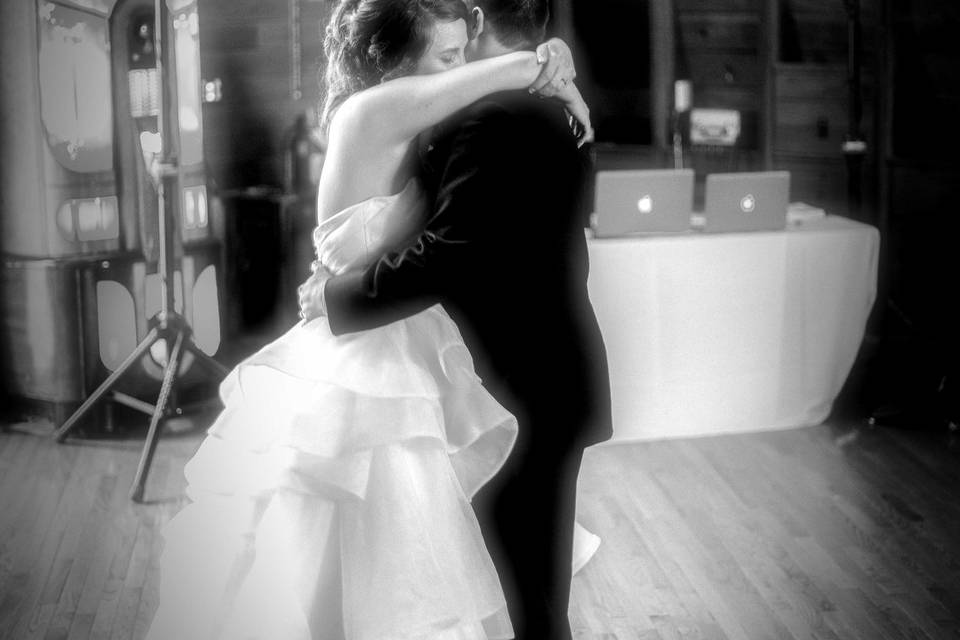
<point>485,163</point>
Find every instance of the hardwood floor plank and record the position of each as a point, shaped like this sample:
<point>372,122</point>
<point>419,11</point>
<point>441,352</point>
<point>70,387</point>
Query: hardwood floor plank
<point>758,547</point>
<point>922,612</point>
<point>13,450</point>
<point>131,590</point>
<point>65,533</point>
<point>831,532</point>
<point>14,504</point>
<point>108,606</point>
<point>707,522</point>
<point>100,564</point>
<point>837,534</point>
<point>147,576</point>
<point>866,533</point>
<point>819,570</point>
<point>126,526</point>
<point>906,545</point>
<point>668,534</point>
<point>102,487</point>
<point>676,597</point>
<point>938,452</point>
<point>615,595</point>
<point>43,524</point>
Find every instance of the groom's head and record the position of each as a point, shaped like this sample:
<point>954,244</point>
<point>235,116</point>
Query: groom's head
<point>506,25</point>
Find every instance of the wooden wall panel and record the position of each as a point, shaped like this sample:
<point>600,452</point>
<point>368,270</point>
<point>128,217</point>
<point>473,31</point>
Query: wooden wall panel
<point>811,100</point>
<point>816,32</point>
<point>742,98</point>
<point>782,65</point>
<point>725,69</point>
<point>734,32</point>
<point>719,6</point>
<point>720,48</point>
<point>812,109</point>
<point>818,181</point>
<point>869,9</point>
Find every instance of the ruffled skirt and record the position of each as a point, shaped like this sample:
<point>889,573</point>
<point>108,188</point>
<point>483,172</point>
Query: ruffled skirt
<point>330,499</point>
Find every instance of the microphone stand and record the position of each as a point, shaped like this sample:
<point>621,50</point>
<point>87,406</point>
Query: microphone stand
<point>167,325</point>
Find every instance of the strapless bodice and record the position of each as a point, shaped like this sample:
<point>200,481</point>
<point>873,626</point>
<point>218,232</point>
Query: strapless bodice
<point>351,238</point>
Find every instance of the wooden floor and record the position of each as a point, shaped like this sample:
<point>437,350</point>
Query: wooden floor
<point>839,532</point>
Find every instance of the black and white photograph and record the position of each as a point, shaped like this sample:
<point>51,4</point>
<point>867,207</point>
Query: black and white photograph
<point>479,320</point>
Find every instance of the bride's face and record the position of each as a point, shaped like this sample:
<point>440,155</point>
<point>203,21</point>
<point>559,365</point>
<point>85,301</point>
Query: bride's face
<point>447,42</point>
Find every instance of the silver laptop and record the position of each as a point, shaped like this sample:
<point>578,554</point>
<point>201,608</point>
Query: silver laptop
<point>746,201</point>
<point>642,201</point>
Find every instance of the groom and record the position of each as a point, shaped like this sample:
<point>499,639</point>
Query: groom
<point>504,251</point>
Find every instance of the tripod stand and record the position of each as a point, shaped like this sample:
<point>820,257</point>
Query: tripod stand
<point>167,326</point>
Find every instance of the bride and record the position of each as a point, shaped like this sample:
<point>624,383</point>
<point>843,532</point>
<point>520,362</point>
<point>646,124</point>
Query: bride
<point>330,499</point>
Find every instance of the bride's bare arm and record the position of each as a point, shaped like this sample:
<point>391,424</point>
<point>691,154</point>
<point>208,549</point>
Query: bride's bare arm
<point>398,110</point>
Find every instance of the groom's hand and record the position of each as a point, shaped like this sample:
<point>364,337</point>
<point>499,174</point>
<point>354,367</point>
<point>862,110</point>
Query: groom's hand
<point>310,293</point>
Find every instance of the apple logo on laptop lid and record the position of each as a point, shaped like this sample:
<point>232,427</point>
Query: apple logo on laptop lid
<point>645,204</point>
<point>748,203</point>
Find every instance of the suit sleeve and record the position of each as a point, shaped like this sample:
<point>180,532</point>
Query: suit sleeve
<point>481,167</point>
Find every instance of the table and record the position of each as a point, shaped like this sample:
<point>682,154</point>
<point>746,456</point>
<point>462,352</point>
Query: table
<point>710,334</point>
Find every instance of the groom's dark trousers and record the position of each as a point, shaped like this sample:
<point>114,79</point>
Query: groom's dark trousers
<point>504,251</point>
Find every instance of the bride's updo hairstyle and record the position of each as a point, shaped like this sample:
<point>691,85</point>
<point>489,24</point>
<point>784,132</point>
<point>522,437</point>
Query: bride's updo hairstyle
<point>370,41</point>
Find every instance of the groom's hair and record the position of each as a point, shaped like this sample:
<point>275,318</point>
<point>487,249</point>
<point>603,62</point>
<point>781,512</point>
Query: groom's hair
<point>518,24</point>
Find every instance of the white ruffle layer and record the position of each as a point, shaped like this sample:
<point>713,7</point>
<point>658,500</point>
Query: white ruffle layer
<point>331,496</point>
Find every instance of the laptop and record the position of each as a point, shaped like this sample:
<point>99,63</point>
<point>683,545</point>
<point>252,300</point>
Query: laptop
<point>746,201</point>
<point>630,202</point>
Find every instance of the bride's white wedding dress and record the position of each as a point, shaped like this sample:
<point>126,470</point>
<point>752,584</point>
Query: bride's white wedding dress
<point>330,499</point>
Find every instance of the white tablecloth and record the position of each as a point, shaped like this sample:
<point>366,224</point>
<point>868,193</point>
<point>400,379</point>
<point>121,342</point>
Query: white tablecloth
<point>710,334</point>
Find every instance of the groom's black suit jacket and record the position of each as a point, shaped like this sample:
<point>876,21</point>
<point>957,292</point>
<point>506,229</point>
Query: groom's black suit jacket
<point>504,251</point>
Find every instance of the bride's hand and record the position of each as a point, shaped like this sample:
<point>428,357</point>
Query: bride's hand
<point>557,69</point>
<point>556,81</point>
<point>579,113</point>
